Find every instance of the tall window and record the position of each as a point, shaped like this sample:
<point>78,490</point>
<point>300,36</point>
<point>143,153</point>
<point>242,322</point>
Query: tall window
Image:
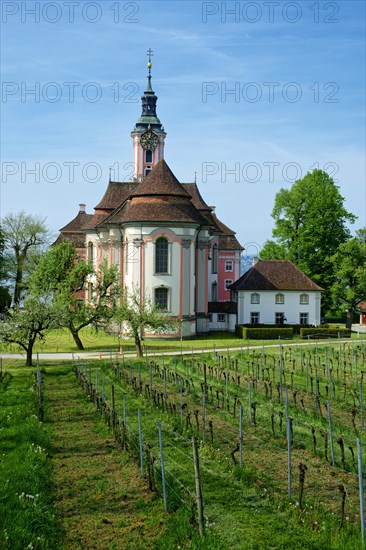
<point>214,292</point>
<point>254,318</point>
<point>255,298</point>
<point>147,171</point>
<point>304,318</point>
<point>280,298</point>
<point>228,265</point>
<point>280,318</point>
<point>148,156</point>
<point>214,259</point>
<point>304,298</point>
<point>161,298</point>
<point>90,253</point>
<point>161,255</point>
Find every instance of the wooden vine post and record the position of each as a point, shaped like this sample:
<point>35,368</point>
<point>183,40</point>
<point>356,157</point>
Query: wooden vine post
<point>197,477</point>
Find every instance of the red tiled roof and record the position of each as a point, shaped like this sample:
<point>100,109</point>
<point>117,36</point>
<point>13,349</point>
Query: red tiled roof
<point>116,193</point>
<point>275,275</point>
<point>160,181</point>
<point>196,196</point>
<point>78,223</point>
<point>155,209</point>
<point>229,242</point>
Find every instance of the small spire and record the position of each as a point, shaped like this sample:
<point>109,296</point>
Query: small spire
<point>110,174</point>
<point>195,177</point>
<point>150,53</point>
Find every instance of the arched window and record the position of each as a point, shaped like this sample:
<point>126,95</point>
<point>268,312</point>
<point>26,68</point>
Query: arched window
<point>280,298</point>
<point>148,156</point>
<point>255,298</point>
<point>161,255</point>
<point>161,298</point>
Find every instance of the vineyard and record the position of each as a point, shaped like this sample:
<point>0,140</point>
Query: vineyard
<point>288,424</point>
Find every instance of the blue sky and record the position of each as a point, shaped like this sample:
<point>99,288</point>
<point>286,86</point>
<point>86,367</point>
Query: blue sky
<point>252,96</point>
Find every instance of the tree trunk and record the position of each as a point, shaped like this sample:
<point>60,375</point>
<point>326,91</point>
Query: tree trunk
<point>28,362</point>
<point>18,280</point>
<point>139,352</point>
<point>76,337</point>
<point>349,319</point>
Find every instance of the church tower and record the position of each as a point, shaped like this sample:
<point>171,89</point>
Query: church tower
<point>148,134</point>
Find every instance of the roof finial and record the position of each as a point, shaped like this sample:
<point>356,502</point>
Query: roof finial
<point>110,174</point>
<point>195,177</point>
<point>150,53</point>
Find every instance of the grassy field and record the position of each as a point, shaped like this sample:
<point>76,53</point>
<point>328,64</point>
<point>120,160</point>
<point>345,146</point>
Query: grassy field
<point>94,489</point>
<point>62,341</point>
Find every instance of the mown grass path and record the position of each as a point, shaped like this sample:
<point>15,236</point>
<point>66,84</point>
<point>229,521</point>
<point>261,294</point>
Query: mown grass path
<point>100,498</point>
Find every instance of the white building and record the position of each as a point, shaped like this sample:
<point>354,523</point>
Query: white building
<point>276,292</point>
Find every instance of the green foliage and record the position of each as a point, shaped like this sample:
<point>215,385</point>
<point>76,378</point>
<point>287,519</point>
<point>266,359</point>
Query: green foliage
<point>140,314</point>
<point>64,276</point>
<point>295,327</point>
<point>24,237</point>
<point>310,224</point>
<point>27,516</point>
<point>325,332</point>
<point>349,264</point>
<point>263,333</point>
<point>23,326</point>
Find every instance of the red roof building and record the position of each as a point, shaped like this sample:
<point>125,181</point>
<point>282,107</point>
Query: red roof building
<point>162,235</point>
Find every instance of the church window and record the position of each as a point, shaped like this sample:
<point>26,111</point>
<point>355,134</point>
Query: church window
<point>161,255</point>
<point>161,298</point>
<point>147,171</point>
<point>148,156</point>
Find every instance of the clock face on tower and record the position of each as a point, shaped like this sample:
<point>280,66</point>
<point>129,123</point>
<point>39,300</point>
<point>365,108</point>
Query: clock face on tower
<point>149,140</point>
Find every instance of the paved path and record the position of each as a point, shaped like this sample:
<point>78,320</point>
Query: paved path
<point>104,354</point>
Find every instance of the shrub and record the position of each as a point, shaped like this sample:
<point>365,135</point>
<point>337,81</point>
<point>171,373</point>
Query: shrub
<point>324,332</point>
<point>263,333</point>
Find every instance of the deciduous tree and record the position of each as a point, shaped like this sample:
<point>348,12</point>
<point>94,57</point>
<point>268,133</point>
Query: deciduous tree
<point>24,326</point>
<point>62,274</point>
<point>349,264</point>
<point>24,236</point>
<point>141,314</point>
<point>310,224</point>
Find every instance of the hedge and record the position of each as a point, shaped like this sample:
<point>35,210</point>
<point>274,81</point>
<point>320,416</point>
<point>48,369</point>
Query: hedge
<point>325,332</point>
<point>249,333</point>
<point>295,327</point>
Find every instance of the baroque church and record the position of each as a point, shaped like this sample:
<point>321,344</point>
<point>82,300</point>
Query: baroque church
<point>164,238</point>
